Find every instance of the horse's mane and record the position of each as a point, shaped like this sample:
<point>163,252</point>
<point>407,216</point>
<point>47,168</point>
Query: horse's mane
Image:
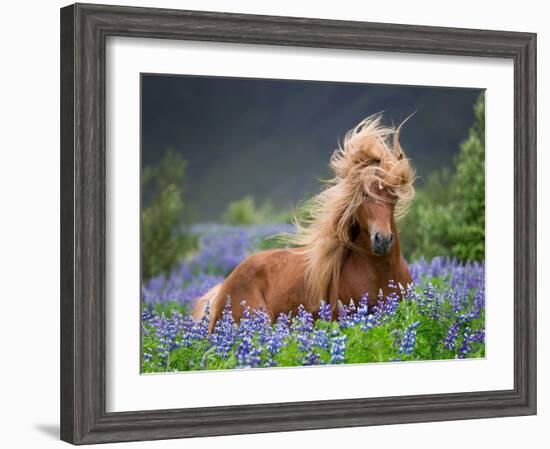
<point>369,157</point>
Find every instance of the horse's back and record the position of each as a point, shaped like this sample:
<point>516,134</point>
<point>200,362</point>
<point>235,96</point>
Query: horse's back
<point>271,280</point>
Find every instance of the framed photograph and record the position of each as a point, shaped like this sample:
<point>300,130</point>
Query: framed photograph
<point>275,223</point>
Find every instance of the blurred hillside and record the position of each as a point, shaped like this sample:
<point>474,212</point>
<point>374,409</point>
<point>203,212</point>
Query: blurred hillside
<point>272,139</point>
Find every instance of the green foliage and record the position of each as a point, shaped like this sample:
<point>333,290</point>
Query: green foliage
<point>447,217</point>
<point>276,241</point>
<point>241,212</point>
<point>246,212</point>
<point>162,244</point>
<point>468,227</point>
<point>424,231</point>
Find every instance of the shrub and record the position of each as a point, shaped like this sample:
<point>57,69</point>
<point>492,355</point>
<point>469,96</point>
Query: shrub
<point>246,212</point>
<point>162,242</point>
<point>241,212</point>
<point>448,216</point>
<point>467,229</point>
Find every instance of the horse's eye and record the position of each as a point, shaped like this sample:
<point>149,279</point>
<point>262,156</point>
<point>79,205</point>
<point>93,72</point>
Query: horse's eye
<point>365,194</point>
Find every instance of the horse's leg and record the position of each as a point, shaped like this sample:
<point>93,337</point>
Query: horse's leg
<point>253,298</point>
<point>207,299</point>
<point>239,298</point>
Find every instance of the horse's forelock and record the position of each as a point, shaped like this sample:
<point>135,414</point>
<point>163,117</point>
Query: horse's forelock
<point>373,156</point>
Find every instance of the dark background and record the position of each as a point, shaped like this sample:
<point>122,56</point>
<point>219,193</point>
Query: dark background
<point>273,138</point>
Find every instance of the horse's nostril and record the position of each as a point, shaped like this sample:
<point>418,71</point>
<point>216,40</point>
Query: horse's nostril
<point>382,243</point>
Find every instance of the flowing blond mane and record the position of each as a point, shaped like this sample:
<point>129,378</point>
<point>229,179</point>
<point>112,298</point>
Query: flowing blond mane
<point>370,156</point>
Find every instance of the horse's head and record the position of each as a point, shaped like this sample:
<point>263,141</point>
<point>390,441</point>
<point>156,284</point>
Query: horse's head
<point>375,219</point>
<point>377,179</point>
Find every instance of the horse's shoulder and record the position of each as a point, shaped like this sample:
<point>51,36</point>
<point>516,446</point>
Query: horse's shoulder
<point>268,257</point>
<point>271,260</point>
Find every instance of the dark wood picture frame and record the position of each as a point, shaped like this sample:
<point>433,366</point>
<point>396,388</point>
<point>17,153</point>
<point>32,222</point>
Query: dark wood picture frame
<point>84,29</point>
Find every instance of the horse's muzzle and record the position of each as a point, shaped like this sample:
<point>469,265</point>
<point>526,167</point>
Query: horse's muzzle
<point>381,244</point>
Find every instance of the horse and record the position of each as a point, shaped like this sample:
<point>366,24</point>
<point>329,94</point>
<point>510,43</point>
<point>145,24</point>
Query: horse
<point>346,248</point>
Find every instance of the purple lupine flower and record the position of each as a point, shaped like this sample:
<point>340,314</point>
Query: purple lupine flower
<point>146,315</point>
<point>410,293</point>
<point>277,338</point>
<point>325,311</point>
<point>368,323</point>
<point>195,288</point>
<point>179,320</point>
<point>303,321</point>
<point>385,309</point>
<point>304,341</point>
<point>187,332</point>
<point>243,352</point>
<point>465,318</point>
<point>247,355</point>
<point>246,324</point>
<point>166,332</point>
<point>455,301</point>
<point>452,335</point>
<point>160,290</point>
<point>478,336</point>
<point>416,269</point>
<point>261,323</point>
<point>338,349</point>
<point>274,343</point>
<point>364,301</point>
<point>224,332</point>
<point>466,344</point>
<point>478,303</point>
<point>361,316</point>
<point>429,304</point>
<point>311,358</point>
<point>273,346</point>
<point>321,340</point>
<point>343,315</point>
<point>282,324</point>
<point>200,329</point>
<point>461,276</point>
<point>409,338</point>
<point>221,252</point>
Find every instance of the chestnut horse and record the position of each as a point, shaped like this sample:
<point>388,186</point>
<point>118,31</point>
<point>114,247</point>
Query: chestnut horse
<point>349,246</point>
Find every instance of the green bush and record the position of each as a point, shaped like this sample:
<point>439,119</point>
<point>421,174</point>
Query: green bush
<point>467,229</point>
<point>423,232</point>
<point>447,217</point>
<point>246,212</point>
<point>162,242</point>
<point>241,212</point>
